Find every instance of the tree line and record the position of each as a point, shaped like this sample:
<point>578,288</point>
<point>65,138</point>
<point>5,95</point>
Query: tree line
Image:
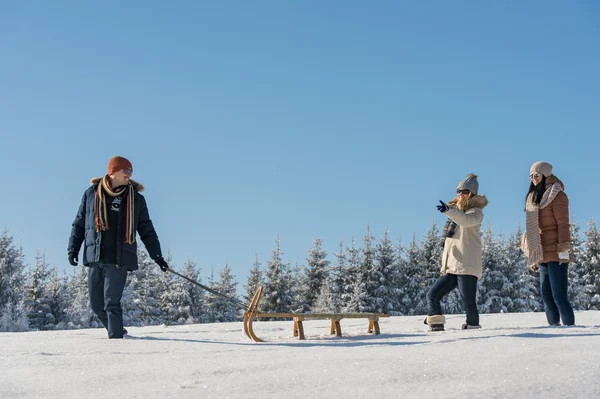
<point>365,275</point>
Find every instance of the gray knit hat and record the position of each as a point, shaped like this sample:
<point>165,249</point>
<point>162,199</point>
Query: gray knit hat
<point>469,183</point>
<point>543,167</point>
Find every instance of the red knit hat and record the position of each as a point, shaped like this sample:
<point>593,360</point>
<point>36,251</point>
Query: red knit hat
<point>118,163</point>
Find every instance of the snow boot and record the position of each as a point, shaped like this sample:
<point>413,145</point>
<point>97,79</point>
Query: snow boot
<point>435,322</point>
<point>470,327</point>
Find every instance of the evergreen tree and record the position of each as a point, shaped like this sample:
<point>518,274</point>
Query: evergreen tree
<point>255,279</point>
<point>316,272</point>
<point>331,298</point>
<point>577,295</point>
<point>430,260</point>
<point>13,314</point>
<point>57,301</point>
<point>141,301</point>
<point>175,300</point>
<point>384,278</point>
<point>493,279</point>
<point>222,310</point>
<point>210,299</point>
<point>37,293</point>
<point>195,296</point>
<point>521,290</point>
<point>78,313</point>
<point>354,258</point>
<point>591,266</point>
<point>362,298</point>
<point>404,274</point>
<point>298,283</point>
<point>411,277</point>
<point>276,293</point>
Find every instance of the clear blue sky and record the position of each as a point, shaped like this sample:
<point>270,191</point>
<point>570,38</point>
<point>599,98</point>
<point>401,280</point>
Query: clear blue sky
<point>248,120</point>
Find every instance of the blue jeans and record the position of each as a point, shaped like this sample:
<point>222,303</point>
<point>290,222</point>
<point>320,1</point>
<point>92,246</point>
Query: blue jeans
<point>467,285</point>
<point>105,284</point>
<point>554,286</point>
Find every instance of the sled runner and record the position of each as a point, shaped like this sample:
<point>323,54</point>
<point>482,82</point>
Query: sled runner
<point>252,313</point>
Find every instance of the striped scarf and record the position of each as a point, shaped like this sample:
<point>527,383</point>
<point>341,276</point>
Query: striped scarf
<point>531,242</point>
<point>102,213</point>
<point>449,229</point>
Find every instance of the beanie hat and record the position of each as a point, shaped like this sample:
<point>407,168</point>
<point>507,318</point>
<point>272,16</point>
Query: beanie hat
<point>118,163</point>
<point>543,167</point>
<point>469,183</point>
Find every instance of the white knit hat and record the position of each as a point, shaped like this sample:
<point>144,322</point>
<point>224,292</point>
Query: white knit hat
<point>543,167</point>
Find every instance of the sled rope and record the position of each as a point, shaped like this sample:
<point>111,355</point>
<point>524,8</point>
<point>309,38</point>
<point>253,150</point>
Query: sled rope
<point>236,302</point>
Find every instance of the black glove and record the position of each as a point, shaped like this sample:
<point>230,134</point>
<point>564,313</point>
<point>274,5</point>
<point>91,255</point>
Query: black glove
<point>73,258</point>
<point>442,207</point>
<point>160,261</point>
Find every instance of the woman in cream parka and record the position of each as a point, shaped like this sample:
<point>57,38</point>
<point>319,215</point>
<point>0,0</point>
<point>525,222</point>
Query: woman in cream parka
<point>461,259</point>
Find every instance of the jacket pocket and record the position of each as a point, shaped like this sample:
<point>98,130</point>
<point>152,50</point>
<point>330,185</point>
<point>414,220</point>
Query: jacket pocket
<point>457,254</point>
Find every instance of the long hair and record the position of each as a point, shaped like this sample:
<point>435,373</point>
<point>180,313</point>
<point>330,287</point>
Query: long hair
<point>461,204</point>
<point>538,191</point>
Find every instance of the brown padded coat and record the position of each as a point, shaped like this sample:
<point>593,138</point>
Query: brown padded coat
<point>554,225</point>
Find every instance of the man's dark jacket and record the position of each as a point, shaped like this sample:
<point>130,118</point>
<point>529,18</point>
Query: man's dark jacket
<point>84,230</point>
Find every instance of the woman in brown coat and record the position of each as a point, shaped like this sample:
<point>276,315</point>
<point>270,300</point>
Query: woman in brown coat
<point>547,241</point>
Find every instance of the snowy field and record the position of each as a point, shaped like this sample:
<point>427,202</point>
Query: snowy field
<point>512,356</point>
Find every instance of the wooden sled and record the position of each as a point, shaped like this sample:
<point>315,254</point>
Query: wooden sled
<point>252,313</point>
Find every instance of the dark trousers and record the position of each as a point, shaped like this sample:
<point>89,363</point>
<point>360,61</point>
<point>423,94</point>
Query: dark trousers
<point>467,285</point>
<point>106,283</point>
<point>554,286</point>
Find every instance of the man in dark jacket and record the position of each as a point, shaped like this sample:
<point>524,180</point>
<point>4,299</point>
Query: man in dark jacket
<point>112,211</point>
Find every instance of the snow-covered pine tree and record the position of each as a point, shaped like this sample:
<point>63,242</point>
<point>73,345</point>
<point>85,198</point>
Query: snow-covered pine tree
<point>493,279</point>
<point>331,298</point>
<point>175,300</point>
<point>316,272</point>
<point>141,299</point>
<point>298,288</point>
<point>404,274</point>
<point>222,310</point>
<point>411,277</point>
<point>591,266</point>
<point>78,312</point>
<point>276,293</point>
<point>195,296</point>
<point>576,288</point>
<point>13,314</point>
<point>174,308</point>
<point>520,293</point>
<point>57,301</point>
<point>36,293</point>
<point>429,267</point>
<point>362,298</point>
<point>255,279</point>
<point>210,299</point>
<point>384,278</point>
<point>354,258</point>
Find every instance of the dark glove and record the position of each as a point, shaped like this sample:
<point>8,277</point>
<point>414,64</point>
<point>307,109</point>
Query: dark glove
<point>160,261</point>
<point>442,207</point>
<point>73,258</point>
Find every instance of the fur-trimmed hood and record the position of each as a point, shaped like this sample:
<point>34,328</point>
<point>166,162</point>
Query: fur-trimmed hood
<point>138,186</point>
<point>477,201</point>
<point>553,180</point>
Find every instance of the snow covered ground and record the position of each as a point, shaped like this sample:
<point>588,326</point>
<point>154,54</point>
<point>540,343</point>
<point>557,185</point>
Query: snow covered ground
<point>512,356</point>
